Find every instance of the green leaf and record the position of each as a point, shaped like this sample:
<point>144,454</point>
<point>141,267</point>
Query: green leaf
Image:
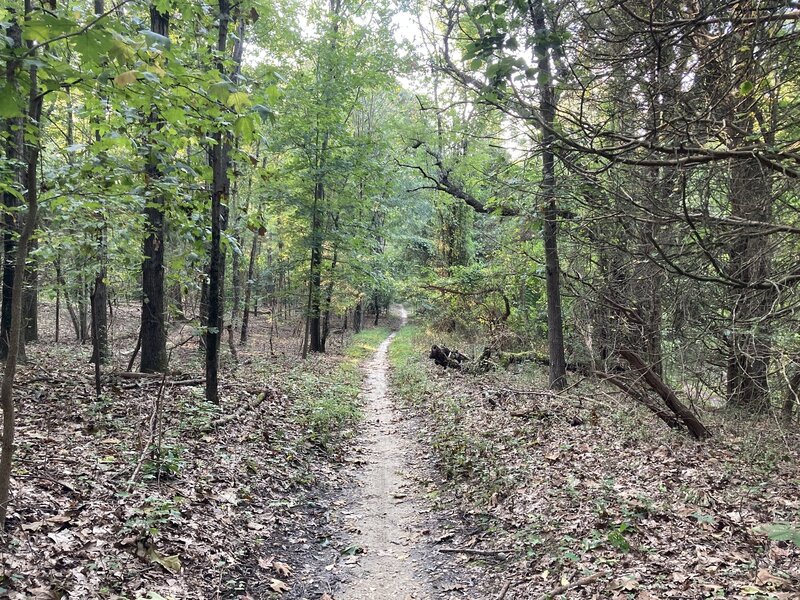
<point>244,128</point>
<point>238,100</point>
<point>93,44</point>
<point>44,27</point>
<point>174,115</point>
<point>10,103</point>
<point>782,532</point>
<point>156,39</point>
<point>264,112</point>
<point>121,51</point>
<point>220,90</point>
<point>151,77</point>
<point>272,92</point>
<point>746,88</point>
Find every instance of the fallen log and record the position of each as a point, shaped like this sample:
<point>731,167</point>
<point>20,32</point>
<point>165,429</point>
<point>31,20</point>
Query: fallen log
<point>255,403</point>
<point>686,416</point>
<point>444,357</point>
<point>506,359</point>
<point>641,398</point>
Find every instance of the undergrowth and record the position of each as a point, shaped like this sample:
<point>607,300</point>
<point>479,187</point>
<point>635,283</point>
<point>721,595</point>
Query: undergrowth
<point>462,454</point>
<point>327,406</point>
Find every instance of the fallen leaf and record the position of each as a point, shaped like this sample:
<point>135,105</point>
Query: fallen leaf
<point>278,586</point>
<point>281,568</point>
<point>764,577</point>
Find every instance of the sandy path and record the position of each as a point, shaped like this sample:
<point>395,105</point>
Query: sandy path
<point>385,512</point>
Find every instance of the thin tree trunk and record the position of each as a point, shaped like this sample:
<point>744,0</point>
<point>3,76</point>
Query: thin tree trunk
<point>58,301</point>
<point>99,295</point>
<point>792,397</point>
<point>14,155</point>
<point>692,423</point>
<point>326,321</point>
<point>31,300</point>
<point>204,312</point>
<point>315,274</point>
<point>15,330</point>
<point>219,194</point>
<point>236,285</point>
<point>248,291</point>
<point>83,313</point>
<point>555,326</point>
<point>358,317</point>
<point>97,356</point>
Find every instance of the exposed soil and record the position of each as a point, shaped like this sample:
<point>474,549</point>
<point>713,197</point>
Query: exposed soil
<point>393,534</point>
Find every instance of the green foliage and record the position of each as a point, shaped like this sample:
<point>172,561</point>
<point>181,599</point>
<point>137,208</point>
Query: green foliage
<point>782,532</point>
<point>409,381</point>
<point>155,513</point>
<point>165,462</point>
<point>365,343</point>
<point>327,404</point>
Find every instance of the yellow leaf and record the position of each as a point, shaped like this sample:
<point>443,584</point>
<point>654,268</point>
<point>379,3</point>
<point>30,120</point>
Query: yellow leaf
<point>751,590</point>
<point>170,563</point>
<point>125,79</point>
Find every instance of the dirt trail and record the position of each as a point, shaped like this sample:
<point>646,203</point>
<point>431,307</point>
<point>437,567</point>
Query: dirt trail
<point>385,513</point>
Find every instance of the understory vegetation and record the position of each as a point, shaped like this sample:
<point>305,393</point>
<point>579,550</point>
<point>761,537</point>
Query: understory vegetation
<point>581,483</point>
<point>216,498</point>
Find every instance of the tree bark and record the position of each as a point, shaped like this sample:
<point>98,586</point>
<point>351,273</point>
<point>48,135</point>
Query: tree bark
<point>547,108</point>
<point>99,295</point>
<point>750,341</point>
<point>248,290</point>
<point>687,417</point>
<point>31,301</point>
<point>14,155</point>
<point>219,194</point>
<point>358,317</point>
<point>315,273</point>
<point>154,332</point>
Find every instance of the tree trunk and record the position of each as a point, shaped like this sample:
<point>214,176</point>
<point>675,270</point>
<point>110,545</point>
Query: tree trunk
<point>326,321</point>
<point>792,397</point>
<point>14,156</point>
<point>219,194</point>
<point>154,332</point>
<point>315,274</point>
<point>99,295</point>
<point>236,285</point>
<point>547,107</point>
<point>248,291</point>
<point>750,342</point>
<point>83,313</point>
<point>687,417</point>
<point>13,346</point>
<point>358,317</point>
<point>31,300</point>
<point>99,302</point>
<point>58,302</point>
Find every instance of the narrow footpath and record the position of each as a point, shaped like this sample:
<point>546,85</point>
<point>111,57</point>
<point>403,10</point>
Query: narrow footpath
<point>384,515</point>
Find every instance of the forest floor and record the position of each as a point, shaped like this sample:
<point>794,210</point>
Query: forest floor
<point>583,495</point>
<point>451,485</point>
